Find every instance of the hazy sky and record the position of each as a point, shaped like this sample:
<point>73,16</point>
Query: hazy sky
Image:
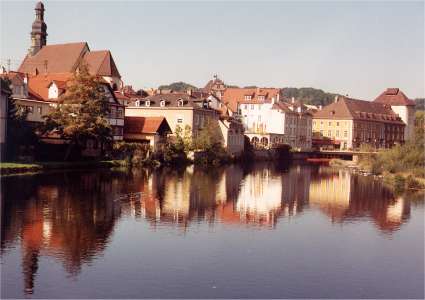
<point>351,48</point>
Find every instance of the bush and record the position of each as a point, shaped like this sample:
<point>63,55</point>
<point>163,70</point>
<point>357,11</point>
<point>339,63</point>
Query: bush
<point>132,153</point>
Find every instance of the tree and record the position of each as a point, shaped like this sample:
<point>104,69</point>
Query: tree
<point>81,113</point>
<point>178,87</point>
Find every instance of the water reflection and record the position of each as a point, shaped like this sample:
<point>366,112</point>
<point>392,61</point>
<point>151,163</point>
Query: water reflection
<point>71,216</point>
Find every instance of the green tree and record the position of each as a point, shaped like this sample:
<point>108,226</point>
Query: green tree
<point>81,113</point>
<point>178,86</point>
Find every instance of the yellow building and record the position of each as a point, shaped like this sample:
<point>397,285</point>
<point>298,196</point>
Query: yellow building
<point>348,123</point>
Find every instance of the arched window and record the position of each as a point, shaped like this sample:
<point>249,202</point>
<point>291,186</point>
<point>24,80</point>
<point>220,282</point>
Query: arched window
<point>162,103</point>
<point>180,102</point>
<point>147,103</point>
<point>264,141</point>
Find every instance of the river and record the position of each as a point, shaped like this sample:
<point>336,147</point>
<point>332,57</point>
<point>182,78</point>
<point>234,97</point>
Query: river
<point>233,232</point>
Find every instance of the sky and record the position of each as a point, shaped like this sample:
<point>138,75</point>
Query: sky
<point>352,48</point>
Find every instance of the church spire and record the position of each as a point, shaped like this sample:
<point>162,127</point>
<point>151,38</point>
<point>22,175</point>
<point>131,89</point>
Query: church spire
<point>39,30</point>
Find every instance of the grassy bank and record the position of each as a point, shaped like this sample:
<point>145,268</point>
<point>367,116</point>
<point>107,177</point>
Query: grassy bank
<point>8,168</point>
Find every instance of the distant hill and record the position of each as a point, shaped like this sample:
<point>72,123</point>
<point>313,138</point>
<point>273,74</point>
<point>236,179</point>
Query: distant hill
<point>420,103</point>
<point>178,86</point>
<point>309,95</point>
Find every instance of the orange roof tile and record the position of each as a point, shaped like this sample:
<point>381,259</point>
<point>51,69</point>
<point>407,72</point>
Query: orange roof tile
<point>138,125</point>
<point>233,96</point>
<point>393,96</point>
<point>101,63</point>
<point>39,85</point>
<point>59,58</point>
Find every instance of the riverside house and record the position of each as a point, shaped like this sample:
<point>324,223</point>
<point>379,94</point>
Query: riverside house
<point>186,109</point>
<point>267,120</point>
<point>349,123</point>
<point>147,130</point>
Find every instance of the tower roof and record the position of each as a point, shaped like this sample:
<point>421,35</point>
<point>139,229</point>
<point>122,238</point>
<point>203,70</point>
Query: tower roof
<point>39,6</point>
<point>394,97</point>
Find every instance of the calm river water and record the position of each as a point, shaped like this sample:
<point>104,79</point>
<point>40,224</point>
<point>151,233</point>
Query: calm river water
<point>233,232</point>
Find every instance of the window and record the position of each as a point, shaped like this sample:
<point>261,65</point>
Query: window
<point>330,123</point>
<point>162,103</point>
<point>119,113</point>
<point>113,111</point>
<point>245,106</point>
<point>39,109</point>
<point>30,109</point>
<point>261,98</point>
<point>180,102</point>
<point>345,133</point>
<point>337,133</point>
<point>147,103</point>
<point>179,120</point>
<point>337,123</point>
<point>248,97</point>
<point>252,106</point>
<point>329,133</point>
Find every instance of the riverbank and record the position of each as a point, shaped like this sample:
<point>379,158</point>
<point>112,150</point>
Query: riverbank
<point>11,168</point>
<point>398,181</point>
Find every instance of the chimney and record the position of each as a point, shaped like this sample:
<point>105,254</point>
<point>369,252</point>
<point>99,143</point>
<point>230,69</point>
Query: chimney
<point>189,92</point>
<point>293,99</point>
<point>336,98</point>
<point>26,78</point>
<point>273,100</point>
<point>320,107</point>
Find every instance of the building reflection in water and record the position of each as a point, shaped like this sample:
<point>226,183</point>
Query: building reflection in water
<point>346,197</point>
<point>71,216</point>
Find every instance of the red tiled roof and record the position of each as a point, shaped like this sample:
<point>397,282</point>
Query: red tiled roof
<point>138,125</point>
<point>233,96</point>
<point>393,96</point>
<point>353,109</point>
<point>60,58</point>
<point>101,63</point>
<point>121,96</point>
<point>39,85</point>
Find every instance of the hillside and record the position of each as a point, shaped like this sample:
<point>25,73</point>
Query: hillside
<point>178,86</point>
<point>309,95</point>
<point>420,103</point>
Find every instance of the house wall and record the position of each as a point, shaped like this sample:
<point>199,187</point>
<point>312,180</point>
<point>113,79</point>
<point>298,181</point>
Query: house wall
<point>233,137</point>
<point>339,130</point>
<point>176,116</point>
<point>407,114</point>
<point>3,124</point>
<point>36,109</point>
<point>53,91</point>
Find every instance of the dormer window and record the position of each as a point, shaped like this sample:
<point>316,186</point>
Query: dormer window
<point>162,103</point>
<point>247,97</point>
<point>137,103</point>
<point>261,98</point>
<point>180,102</point>
<point>147,103</point>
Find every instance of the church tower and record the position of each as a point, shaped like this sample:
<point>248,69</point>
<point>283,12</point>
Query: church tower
<point>39,30</point>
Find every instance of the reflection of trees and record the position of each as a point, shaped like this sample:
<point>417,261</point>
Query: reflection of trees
<point>69,216</point>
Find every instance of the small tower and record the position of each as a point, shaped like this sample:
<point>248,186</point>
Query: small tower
<point>39,30</point>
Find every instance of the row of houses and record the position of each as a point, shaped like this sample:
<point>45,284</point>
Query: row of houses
<point>260,115</point>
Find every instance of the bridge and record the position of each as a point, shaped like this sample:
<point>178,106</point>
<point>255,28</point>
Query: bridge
<point>341,154</point>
